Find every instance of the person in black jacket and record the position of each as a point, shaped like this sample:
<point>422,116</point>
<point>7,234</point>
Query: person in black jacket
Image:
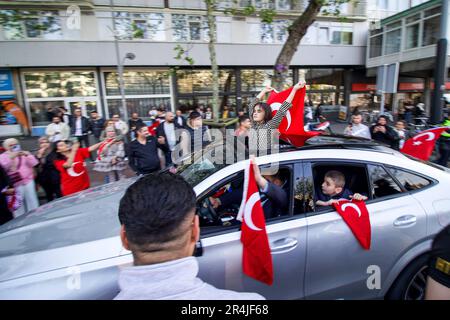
<point>273,189</point>
<point>97,125</point>
<point>133,122</point>
<point>47,174</point>
<point>79,128</point>
<point>143,151</point>
<point>5,189</point>
<point>179,119</point>
<point>383,133</point>
<point>167,130</point>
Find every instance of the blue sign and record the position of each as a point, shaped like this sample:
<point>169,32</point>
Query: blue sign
<point>6,85</point>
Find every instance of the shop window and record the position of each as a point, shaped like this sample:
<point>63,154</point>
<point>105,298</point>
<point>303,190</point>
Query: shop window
<point>43,111</point>
<point>141,106</point>
<point>138,83</point>
<point>191,81</point>
<point>254,80</point>
<point>60,84</point>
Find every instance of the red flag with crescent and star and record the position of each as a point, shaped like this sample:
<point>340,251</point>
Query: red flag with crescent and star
<point>256,254</point>
<point>421,146</point>
<point>292,126</point>
<point>356,216</point>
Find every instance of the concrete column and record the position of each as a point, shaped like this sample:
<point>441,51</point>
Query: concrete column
<point>427,95</point>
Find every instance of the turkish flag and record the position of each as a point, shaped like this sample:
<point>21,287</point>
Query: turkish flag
<point>153,126</point>
<point>421,146</point>
<point>292,126</point>
<point>356,216</point>
<point>256,255</point>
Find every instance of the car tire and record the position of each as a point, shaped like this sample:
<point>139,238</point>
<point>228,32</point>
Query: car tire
<point>411,283</point>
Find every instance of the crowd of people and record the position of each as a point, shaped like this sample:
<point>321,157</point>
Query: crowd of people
<point>58,165</point>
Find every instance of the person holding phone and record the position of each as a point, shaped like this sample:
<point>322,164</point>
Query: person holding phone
<point>19,165</point>
<point>356,128</point>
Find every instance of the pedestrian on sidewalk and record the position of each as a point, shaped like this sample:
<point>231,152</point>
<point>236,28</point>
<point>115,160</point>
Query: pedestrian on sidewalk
<point>47,175</point>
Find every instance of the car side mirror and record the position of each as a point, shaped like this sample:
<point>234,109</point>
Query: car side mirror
<point>198,251</point>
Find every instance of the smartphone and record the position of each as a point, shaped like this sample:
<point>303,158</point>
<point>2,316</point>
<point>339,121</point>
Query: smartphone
<point>16,148</point>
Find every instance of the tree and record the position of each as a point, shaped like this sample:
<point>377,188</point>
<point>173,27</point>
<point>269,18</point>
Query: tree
<point>296,32</point>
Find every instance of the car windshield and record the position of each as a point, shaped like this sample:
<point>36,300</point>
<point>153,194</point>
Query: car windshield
<point>213,158</point>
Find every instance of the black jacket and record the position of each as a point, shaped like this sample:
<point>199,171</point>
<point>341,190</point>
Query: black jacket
<point>183,120</point>
<point>274,201</point>
<point>390,137</point>
<point>134,123</point>
<point>85,126</point>
<point>143,158</point>
<point>5,214</point>
<point>97,126</point>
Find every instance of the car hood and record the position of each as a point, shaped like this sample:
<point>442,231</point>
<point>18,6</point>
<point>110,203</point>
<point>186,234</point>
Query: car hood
<point>87,216</point>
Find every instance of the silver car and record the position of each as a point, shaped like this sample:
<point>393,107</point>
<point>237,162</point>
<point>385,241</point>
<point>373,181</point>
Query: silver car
<point>70,248</point>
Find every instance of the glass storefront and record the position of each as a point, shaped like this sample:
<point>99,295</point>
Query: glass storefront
<point>144,90</point>
<point>200,81</point>
<point>47,90</point>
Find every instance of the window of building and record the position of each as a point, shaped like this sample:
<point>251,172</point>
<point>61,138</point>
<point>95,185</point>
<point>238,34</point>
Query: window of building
<point>192,81</point>
<point>382,4</point>
<point>323,36</point>
<point>284,5</point>
<point>393,41</point>
<point>138,83</point>
<point>376,45</point>
<point>412,36</point>
<point>141,106</point>
<point>140,26</point>
<point>431,29</point>
<point>275,32</point>
<point>432,12</point>
<point>20,24</point>
<point>408,180</point>
<point>342,37</point>
<point>265,4</point>
<point>189,28</point>
<point>60,84</point>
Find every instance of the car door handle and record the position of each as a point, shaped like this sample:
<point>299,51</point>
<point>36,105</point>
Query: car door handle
<point>405,221</point>
<point>283,245</point>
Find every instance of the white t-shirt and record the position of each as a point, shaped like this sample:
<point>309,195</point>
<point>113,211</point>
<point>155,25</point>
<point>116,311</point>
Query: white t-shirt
<point>78,127</point>
<point>169,129</point>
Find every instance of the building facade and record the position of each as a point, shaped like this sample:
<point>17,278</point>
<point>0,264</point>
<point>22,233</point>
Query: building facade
<point>63,53</point>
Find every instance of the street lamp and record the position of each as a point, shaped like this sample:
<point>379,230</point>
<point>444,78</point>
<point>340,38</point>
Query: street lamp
<point>129,56</point>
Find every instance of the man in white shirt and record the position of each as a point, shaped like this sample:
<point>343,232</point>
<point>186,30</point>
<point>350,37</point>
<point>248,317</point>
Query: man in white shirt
<point>167,129</point>
<point>57,130</point>
<point>120,124</point>
<point>357,129</point>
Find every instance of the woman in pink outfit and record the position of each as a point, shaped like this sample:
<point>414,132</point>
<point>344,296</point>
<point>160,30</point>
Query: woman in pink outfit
<point>19,165</point>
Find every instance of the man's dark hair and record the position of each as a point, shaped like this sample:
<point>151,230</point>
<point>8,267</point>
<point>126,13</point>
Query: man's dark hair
<point>194,115</point>
<point>267,111</point>
<point>94,111</point>
<point>243,119</point>
<point>357,113</point>
<point>139,126</point>
<point>154,209</point>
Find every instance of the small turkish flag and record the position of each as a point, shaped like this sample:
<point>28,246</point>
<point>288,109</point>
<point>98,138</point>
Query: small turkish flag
<point>256,255</point>
<point>153,126</point>
<point>421,146</point>
<point>356,216</point>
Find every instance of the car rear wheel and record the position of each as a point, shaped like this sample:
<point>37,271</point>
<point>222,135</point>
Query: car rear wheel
<point>411,283</point>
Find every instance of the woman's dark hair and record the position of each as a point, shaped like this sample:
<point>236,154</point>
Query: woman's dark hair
<point>60,156</point>
<point>384,117</point>
<point>267,111</point>
<point>154,208</point>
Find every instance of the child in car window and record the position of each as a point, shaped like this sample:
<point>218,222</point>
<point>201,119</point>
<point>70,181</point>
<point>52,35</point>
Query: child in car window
<point>333,189</point>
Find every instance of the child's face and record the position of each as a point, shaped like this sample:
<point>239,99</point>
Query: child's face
<point>329,187</point>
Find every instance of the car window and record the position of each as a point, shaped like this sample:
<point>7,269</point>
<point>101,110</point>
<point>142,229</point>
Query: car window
<point>354,178</point>
<point>220,206</point>
<point>303,190</point>
<point>408,180</point>
<point>382,183</point>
